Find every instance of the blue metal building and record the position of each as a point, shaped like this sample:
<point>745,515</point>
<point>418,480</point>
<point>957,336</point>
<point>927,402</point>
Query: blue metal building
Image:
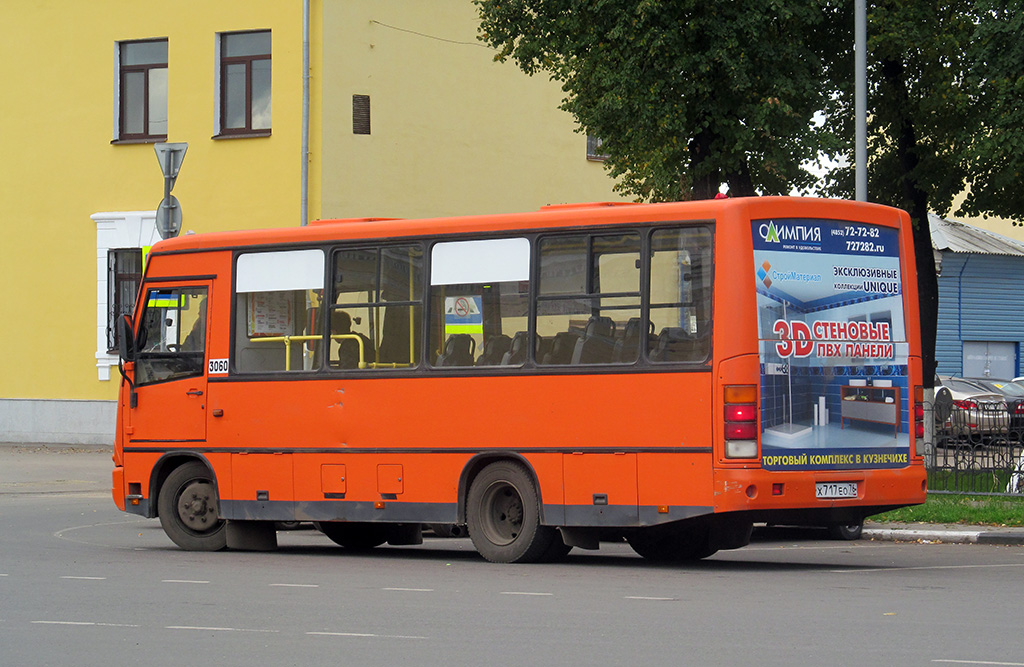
<point>981,301</point>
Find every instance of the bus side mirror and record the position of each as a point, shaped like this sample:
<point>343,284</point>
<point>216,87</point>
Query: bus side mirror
<point>125,339</point>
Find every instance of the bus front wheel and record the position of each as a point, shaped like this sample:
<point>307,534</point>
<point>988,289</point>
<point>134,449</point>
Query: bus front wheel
<point>503,514</point>
<point>188,509</point>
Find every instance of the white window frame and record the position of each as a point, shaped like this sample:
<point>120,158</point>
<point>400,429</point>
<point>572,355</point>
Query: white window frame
<point>118,229</point>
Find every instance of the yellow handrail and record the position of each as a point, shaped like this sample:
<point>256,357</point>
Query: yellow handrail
<point>287,340</point>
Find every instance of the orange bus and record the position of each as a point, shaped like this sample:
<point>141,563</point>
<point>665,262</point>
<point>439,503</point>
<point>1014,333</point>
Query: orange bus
<point>668,374</point>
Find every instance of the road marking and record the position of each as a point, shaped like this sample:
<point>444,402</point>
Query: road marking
<point>104,625</point>
<point>412,590</point>
<point>981,662</point>
<point>214,629</point>
<point>296,585</point>
<point>363,634</point>
<point>85,578</point>
<point>526,593</point>
<point>929,567</point>
<point>641,597</point>
<point>182,581</point>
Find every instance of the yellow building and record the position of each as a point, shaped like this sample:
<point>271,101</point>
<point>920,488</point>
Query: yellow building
<point>408,116</point>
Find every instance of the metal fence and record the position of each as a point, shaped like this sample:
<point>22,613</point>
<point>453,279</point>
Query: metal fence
<point>976,451</point>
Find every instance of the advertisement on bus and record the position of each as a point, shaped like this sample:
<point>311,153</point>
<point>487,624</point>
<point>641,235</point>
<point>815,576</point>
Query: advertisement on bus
<point>833,345</point>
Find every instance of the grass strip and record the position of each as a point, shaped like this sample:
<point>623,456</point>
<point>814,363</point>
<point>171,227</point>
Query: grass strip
<point>960,509</point>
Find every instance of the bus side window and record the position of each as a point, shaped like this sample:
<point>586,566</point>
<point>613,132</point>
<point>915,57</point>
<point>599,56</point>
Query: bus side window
<point>376,312</point>
<point>680,292</point>
<point>278,311</point>
<point>589,291</point>
<point>479,303</point>
<point>278,331</point>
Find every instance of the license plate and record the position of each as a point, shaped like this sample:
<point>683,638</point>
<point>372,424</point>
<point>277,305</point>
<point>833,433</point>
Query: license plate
<point>836,489</point>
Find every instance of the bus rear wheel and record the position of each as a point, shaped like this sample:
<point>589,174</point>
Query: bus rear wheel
<point>189,510</point>
<point>503,514</point>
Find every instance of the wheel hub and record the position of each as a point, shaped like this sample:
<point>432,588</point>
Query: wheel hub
<point>504,520</point>
<point>196,506</point>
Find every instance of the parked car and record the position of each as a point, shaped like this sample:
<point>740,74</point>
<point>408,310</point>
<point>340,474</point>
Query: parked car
<point>1013,394</point>
<point>979,414</point>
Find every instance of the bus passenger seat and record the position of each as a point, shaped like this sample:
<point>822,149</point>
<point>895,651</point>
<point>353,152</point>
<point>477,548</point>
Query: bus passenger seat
<point>628,347</point>
<point>562,348</point>
<point>542,347</point>
<point>597,344</point>
<point>495,349</point>
<point>677,344</point>
<point>516,353</point>
<point>458,351</point>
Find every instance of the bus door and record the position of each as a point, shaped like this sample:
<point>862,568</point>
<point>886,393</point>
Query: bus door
<point>170,365</point>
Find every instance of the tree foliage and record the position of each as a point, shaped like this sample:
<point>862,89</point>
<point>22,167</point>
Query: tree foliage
<point>945,81</point>
<point>685,95</point>
<point>996,77</point>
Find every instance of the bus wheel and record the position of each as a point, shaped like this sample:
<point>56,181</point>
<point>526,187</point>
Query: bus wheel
<point>851,531</point>
<point>188,509</point>
<point>557,551</point>
<point>354,535</point>
<point>671,543</point>
<point>503,514</point>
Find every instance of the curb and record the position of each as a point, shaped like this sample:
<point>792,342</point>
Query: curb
<point>1008,537</point>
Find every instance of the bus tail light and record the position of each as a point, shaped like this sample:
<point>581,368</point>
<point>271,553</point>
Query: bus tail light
<point>919,421</point>
<point>741,422</point>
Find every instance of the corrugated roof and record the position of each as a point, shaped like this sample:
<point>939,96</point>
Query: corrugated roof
<point>956,236</point>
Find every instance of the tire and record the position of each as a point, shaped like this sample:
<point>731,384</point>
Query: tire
<point>189,509</point>
<point>672,543</point>
<point>503,515</point>
<point>850,531</point>
<point>557,551</point>
<point>355,536</point>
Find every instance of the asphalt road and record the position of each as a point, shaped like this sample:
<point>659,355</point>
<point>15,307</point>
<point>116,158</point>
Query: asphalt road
<point>83,584</point>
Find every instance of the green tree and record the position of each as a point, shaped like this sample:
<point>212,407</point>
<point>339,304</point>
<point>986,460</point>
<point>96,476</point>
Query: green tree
<point>685,95</point>
<point>946,78</point>
<point>995,76</point>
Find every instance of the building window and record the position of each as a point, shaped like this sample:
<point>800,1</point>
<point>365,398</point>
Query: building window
<point>594,151</point>
<point>142,90</point>
<point>124,274</point>
<point>245,83</point>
